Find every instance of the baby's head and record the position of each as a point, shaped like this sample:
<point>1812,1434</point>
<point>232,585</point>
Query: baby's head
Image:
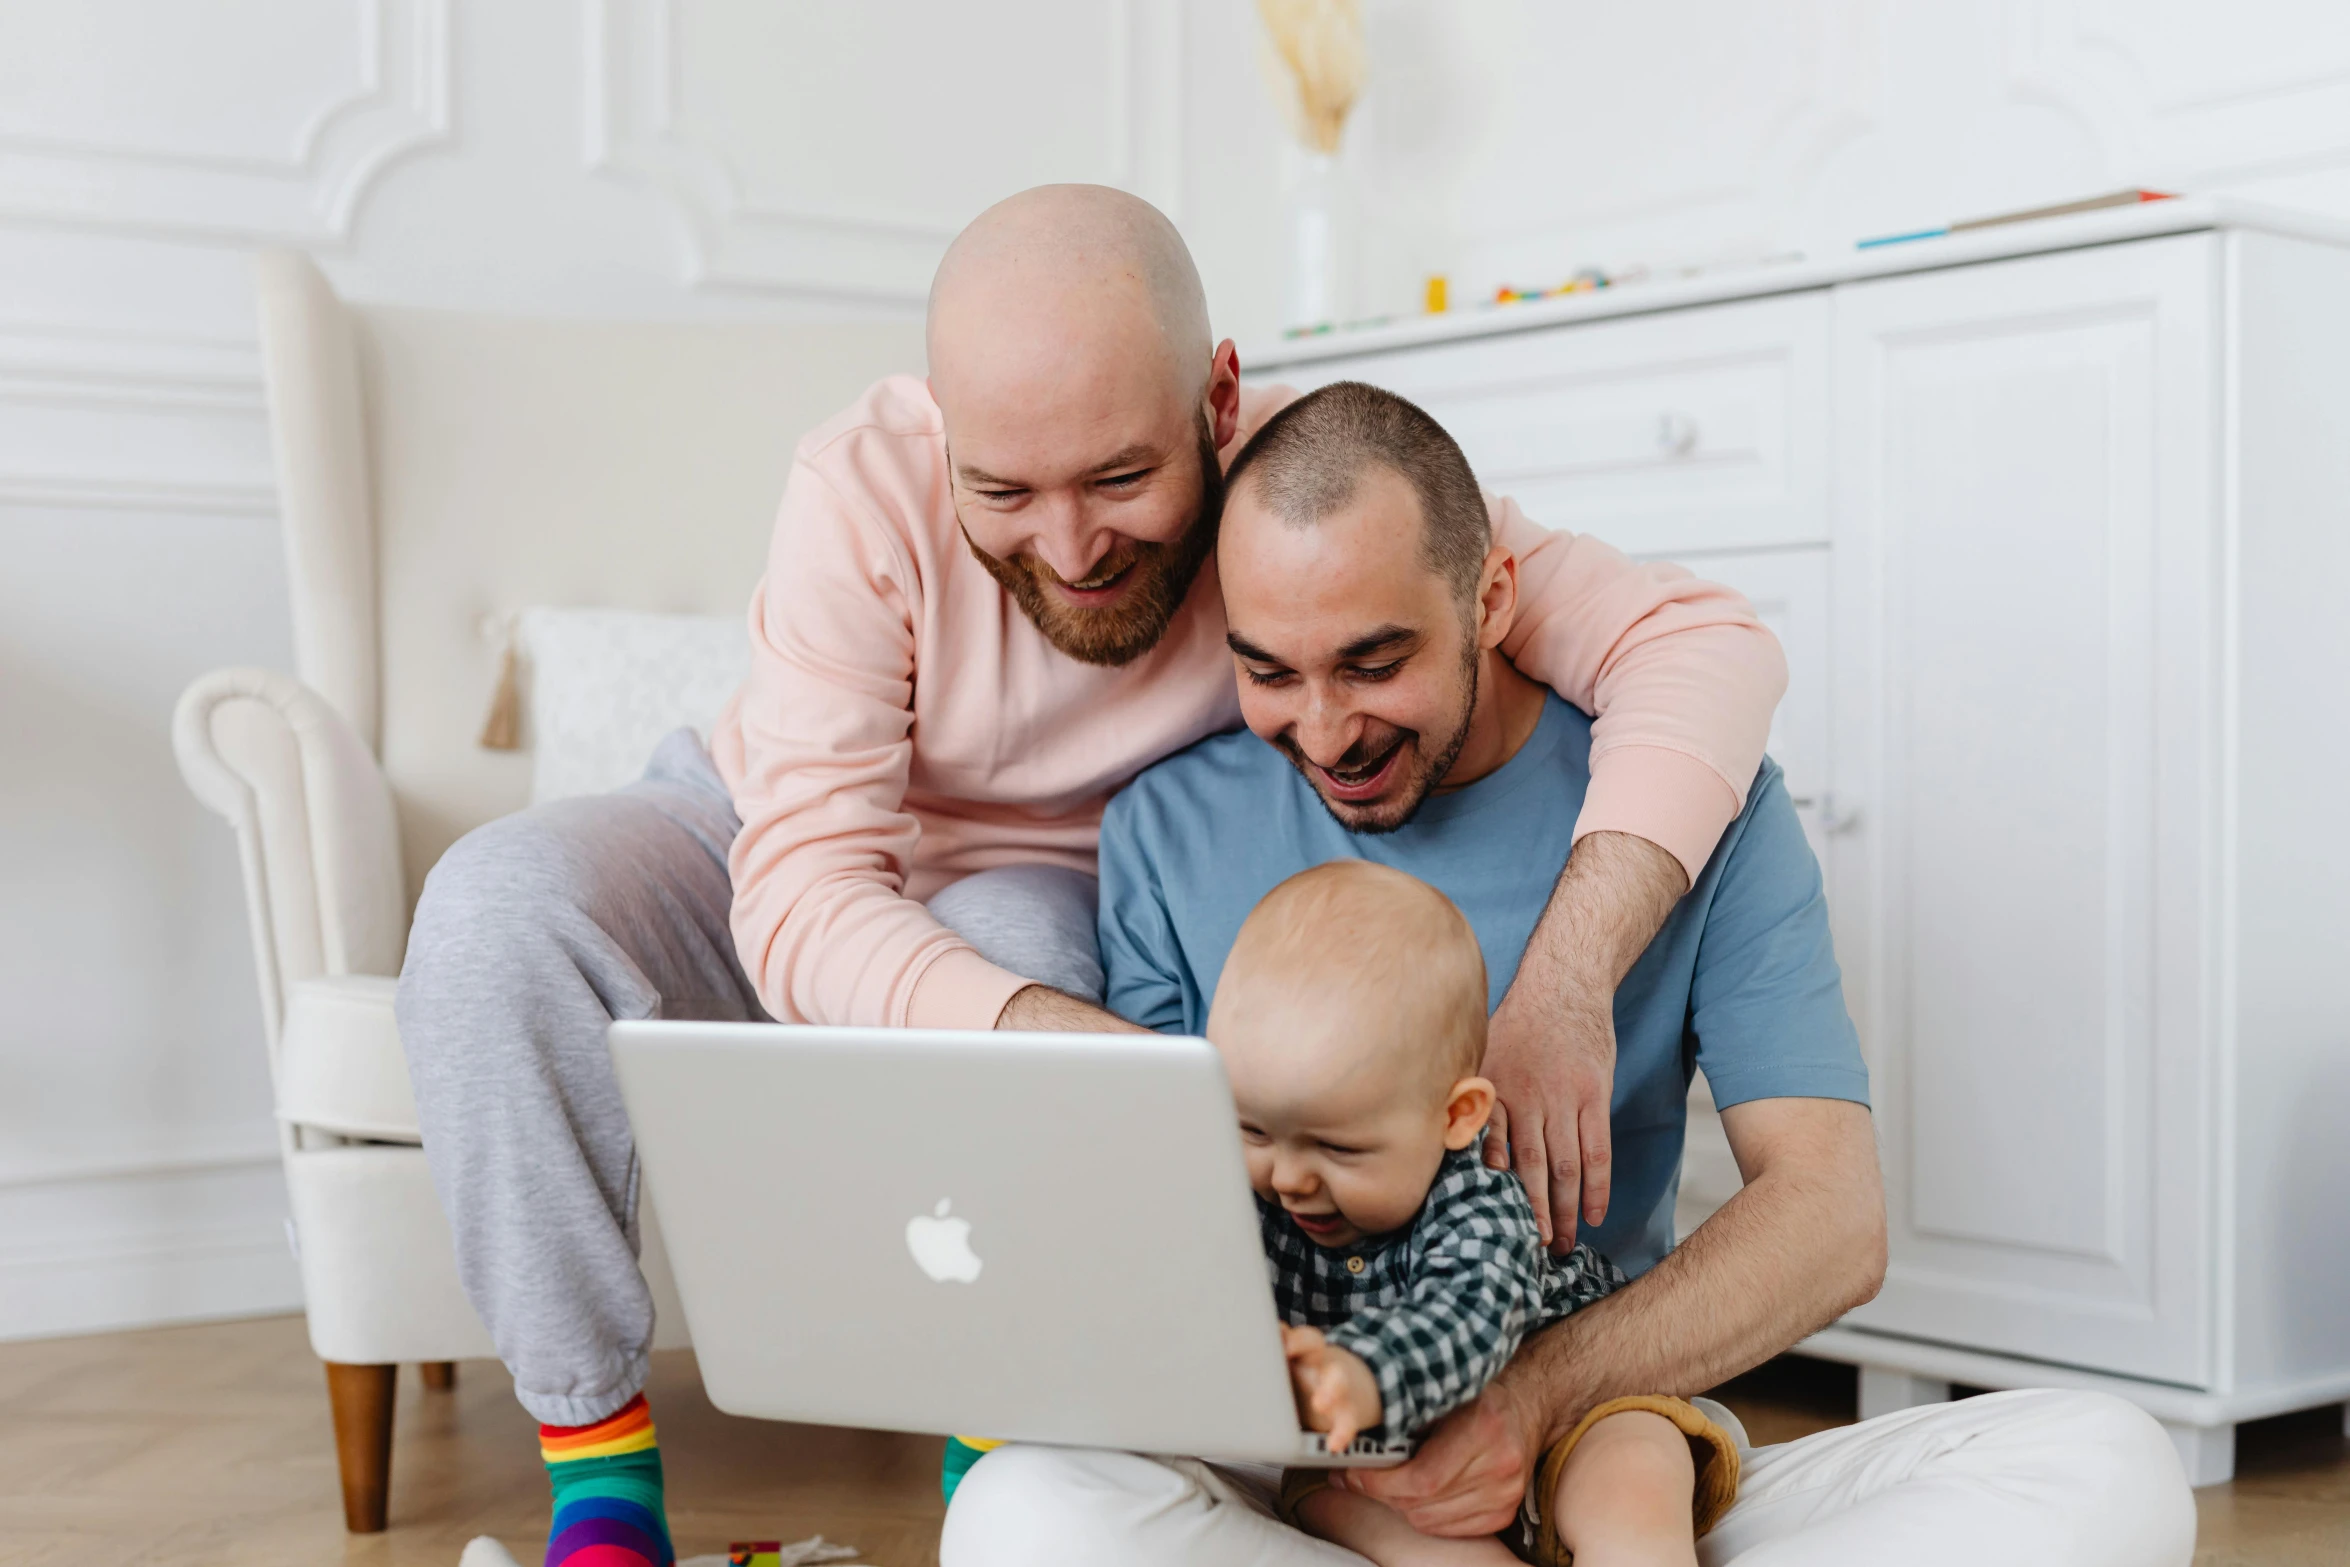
<point>1351,1019</point>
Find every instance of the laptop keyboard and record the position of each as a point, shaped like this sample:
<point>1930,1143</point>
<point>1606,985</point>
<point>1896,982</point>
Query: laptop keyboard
<point>1364,1446</point>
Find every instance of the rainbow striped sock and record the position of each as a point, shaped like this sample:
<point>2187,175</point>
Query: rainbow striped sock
<point>607,1480</point>
<point>961,1453</point>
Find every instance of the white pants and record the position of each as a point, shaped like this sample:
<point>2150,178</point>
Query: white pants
<point>2027,1479</point>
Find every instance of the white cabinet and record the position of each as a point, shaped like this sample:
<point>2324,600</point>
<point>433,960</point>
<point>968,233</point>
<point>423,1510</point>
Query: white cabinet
<point>1701,429</point>
<point>2055,528</point>
<point>1789,591</point>
<point>2025,550</point>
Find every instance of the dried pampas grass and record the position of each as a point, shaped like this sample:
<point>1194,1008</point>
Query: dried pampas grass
<point>1320,46</point>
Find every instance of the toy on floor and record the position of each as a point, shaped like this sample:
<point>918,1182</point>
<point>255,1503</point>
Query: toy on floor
<point>773,1553</point>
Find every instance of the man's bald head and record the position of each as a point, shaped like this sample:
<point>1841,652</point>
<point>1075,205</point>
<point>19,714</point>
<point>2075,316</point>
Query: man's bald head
<point>1087,257</point>
<point>1084,409</point>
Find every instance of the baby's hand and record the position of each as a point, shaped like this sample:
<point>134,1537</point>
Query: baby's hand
<point>1336,1393</point>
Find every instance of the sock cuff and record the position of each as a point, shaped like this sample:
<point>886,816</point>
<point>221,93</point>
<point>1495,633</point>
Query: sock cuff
<point>628,1429</point>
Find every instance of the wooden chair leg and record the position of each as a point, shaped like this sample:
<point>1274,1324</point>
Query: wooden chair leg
<point>439,1375</point>
<point>362,1400</point>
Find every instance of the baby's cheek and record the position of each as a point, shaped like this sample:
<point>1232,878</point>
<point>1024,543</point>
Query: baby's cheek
<point>1260,1170</point>
<point>1381,1197</point>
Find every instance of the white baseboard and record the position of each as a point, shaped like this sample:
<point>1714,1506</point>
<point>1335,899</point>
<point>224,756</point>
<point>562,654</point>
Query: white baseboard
<point>101,1253</point>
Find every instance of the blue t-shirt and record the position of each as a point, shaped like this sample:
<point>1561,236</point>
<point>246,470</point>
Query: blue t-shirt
<point>1742,979</point>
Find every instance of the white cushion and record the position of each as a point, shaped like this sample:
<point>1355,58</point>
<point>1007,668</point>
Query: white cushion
<point>607,684</point>
<point>340,1068</point>
<point>379,1269</point>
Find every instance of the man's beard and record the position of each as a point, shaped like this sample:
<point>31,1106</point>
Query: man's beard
<point>1159,578</point>
<point>1432,771</point>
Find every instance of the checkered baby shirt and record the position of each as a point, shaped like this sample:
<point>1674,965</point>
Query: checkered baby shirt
<point>1437,1308</point>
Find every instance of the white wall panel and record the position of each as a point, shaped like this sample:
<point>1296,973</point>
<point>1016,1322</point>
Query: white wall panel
<point>258,118</point>
<point>2193,93</point>
<point>839,147</point>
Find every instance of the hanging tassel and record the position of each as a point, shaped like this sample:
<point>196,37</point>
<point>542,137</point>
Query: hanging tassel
<point>502,729</point>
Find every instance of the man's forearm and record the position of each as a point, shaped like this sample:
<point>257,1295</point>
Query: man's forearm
<point>1042,1009</point>
<point>1799,1246</point>
<point>1608,905</point>
<point>1551,1047</point>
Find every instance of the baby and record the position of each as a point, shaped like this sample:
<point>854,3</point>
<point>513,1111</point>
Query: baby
<point>1351,1020</point>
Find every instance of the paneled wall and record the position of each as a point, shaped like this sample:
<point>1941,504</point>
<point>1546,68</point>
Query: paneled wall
<point>736,158</point>
<point>588,157</point>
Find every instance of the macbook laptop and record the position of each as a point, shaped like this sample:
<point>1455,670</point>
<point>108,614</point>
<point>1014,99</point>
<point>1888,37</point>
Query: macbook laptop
<point>1032,1237</point>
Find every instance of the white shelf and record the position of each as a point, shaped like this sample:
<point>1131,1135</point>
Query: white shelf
<point>2112,225</point>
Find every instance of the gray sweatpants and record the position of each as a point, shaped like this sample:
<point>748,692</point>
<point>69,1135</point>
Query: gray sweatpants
<point>533,933</point>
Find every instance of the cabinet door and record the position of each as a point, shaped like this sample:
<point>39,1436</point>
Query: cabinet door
<point>1789,591</point>
<point>2025,548</point>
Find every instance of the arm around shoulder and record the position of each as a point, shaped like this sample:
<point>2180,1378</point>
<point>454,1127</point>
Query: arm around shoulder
<point>1680,674</point>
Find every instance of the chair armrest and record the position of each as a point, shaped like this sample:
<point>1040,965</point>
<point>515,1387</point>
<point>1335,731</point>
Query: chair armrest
<point>316,833</point>
<point>340,1068</point>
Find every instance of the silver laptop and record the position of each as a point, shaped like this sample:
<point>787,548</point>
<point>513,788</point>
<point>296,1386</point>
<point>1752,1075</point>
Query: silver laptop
<point>1032,1237</point>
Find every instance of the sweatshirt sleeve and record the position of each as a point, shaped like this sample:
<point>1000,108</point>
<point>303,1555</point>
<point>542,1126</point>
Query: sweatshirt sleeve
<point>820,916</point>
<point>1679,674</point>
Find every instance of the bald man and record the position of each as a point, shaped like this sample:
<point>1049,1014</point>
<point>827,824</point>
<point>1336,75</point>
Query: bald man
<point>991,600</point>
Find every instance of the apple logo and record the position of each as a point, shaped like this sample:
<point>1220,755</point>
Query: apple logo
<point>942,1246</point>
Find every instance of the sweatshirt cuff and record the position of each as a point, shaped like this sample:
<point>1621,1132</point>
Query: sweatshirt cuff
<point>1668,797</point>
<point>961,989</point>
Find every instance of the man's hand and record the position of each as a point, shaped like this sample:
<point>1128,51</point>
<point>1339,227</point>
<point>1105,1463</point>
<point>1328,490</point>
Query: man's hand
<point>1553,1068</point>
<point>1802,1243</point>
<point>1468,1477</point>
<point>1040,1009</point>
<point>1336,1393</point>
<point>1551,1048</point>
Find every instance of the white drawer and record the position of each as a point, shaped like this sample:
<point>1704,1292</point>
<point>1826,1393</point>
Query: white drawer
<point>1698,429</point>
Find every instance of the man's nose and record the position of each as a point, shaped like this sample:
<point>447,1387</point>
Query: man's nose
<point>1327,729</point>
<point>1069,542</point>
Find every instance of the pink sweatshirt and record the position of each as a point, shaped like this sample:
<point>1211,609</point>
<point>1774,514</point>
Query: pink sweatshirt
<point>904,724</point>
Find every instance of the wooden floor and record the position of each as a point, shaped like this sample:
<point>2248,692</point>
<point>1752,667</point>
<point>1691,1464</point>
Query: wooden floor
<point>189,1447</point>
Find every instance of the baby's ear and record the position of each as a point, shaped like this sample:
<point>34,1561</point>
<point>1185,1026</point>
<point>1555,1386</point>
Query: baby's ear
<point>1466,1110</point>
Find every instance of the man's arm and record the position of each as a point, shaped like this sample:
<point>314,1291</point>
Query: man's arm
<point>1681,679</point>
<point>1042,1009</point>
<point>816,748</point>
<point>1551,1048</point>
<point>1800,1245</point>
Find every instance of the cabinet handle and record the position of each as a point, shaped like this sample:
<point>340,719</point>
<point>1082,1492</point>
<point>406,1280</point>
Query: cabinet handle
<point>1833,812</point>
<point>1676,434</point>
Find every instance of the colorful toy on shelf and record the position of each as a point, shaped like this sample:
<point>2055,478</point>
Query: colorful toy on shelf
<point>2119,198</point>
<point>1588,281</point>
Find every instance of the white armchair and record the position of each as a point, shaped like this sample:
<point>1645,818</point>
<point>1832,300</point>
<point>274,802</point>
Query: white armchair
<point>436,474</point>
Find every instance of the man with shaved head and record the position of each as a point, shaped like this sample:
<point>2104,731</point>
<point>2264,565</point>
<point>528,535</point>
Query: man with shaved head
<point>991,600</point>
<point>1368,602</point>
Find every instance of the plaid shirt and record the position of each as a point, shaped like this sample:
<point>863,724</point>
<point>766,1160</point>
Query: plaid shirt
<point>1436,1308</point>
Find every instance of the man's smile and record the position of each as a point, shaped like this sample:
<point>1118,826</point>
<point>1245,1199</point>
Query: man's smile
<point>1103,587</point>
<point>1366,780</point>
